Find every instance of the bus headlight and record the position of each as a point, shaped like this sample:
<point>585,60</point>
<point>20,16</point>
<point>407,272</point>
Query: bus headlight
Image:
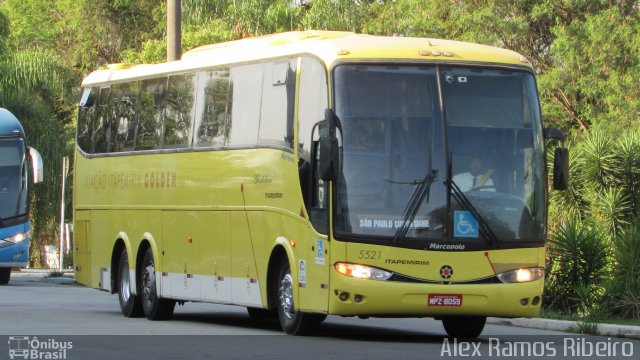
<point>521,275</point>
<point>362,271</point>
<point>13,239</point>
<point>19,237</point>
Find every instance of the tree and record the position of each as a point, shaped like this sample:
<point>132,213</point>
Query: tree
<point>86,33</point>
<point>33,87</point>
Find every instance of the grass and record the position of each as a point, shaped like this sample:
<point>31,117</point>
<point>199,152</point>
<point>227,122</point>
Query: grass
<point>546,314</point>
<point>55,274</point>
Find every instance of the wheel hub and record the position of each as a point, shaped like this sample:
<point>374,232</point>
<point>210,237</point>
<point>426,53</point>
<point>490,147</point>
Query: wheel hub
<point>286,295</point>
<point>125,289</point>
<point>148,284</point>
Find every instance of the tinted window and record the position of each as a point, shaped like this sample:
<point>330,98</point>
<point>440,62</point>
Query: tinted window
<point>393,164</point>
<point>150,127</point>
<point>101,133</point>
<point>124,106</point>
<point>214,112</point>
<point>86,114</point>
<point>247,95</point>
<point>13,178</point>
<point>179,111</point>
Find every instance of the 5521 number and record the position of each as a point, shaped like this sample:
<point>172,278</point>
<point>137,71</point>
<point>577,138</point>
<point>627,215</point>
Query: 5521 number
<point>369,254</point>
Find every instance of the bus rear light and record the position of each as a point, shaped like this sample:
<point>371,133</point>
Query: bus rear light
<point>362,271</point>
<point>521,275</point>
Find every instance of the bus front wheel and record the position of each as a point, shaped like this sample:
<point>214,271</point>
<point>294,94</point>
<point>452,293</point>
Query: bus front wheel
<point>155,307</point>
<point>129,303</point>
<point>293,322</point>
<point>5,274</point>
<point>469,327</point>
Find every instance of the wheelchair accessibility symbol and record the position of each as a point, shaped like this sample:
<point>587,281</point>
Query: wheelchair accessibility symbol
<point>465,224</point>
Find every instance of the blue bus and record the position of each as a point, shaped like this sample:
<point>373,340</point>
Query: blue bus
<point>15,228</point>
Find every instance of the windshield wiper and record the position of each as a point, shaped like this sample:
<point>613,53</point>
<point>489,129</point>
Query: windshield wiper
<point>484,230</point>
<point>420,193</point>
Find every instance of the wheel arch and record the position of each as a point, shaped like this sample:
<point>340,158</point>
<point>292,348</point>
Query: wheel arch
<point>147,242</point>
<point>121,243</point>
<point>281,250</point>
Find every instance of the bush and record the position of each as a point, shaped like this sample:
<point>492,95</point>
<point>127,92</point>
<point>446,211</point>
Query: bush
<point>578,259</point>
<point>623,289</point>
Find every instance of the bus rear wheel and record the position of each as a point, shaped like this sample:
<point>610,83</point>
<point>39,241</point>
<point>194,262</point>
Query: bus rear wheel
<point>469,327</point>
<point>155,307</point>
<point>5,274</point>
<point>129,303</point>
<point>293,322</point>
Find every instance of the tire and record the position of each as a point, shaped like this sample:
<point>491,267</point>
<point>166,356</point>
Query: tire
<point>130,304</point>
<point>5,275</point>
<point>262,314</point>
<point>154,307</point>
<point>293,322</point>
<point>469,327</point>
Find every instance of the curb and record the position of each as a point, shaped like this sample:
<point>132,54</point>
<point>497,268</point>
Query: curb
<point>623,331</point>
<point>31,275</point>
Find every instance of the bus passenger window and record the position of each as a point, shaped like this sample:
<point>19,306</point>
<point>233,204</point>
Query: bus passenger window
<point>179,111</point>
<point>214,110</point>
<point>86,114</point>
<point>276,117</point>
<point>100,135</point>
<point>245,113</point>
<point>124,102</point>
<point>151,114</point>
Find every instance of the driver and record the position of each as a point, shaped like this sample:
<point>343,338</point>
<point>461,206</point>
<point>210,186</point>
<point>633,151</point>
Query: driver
<point>476,178</point>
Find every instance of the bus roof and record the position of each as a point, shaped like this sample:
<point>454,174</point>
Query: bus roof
<point>9,124</point>
<point>330,46</point>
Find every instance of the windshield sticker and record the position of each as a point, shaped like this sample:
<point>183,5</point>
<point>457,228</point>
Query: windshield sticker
<point>465,225</point>
<point>366,223</point>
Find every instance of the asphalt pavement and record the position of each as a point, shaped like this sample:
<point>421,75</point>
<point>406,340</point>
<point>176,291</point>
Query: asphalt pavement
<point>614,330</point>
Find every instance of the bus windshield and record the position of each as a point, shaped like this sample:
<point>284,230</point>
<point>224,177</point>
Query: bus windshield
<point>13,184</point>
<point>397,170</point>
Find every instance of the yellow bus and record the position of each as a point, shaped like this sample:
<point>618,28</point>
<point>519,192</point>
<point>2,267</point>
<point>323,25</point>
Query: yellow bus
<point>316,173</point>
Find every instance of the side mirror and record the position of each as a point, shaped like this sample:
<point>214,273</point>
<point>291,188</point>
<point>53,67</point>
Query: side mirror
<point>329,149</point>
<point>553,133</point>
<point>328,158</point>
<point>561,169</point>
<point>37,165</point>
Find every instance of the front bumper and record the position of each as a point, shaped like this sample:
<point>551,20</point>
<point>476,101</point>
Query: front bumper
<point>389,298</point>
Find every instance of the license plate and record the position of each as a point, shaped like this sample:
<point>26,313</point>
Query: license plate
<point>445,300</point>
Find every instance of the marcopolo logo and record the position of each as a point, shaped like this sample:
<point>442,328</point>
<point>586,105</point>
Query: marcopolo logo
<point>446,272</point>
<point>25,347</point>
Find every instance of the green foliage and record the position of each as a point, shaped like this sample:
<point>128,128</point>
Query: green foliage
<point>603,191</point>
<point>578,256</point>
<point>334,15</point>
<point>420,18</point>
<point>594,66</point>
<point>42,78</point>
<point>625,166</point>
<point>588,298</point>
<point>623,289</point>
